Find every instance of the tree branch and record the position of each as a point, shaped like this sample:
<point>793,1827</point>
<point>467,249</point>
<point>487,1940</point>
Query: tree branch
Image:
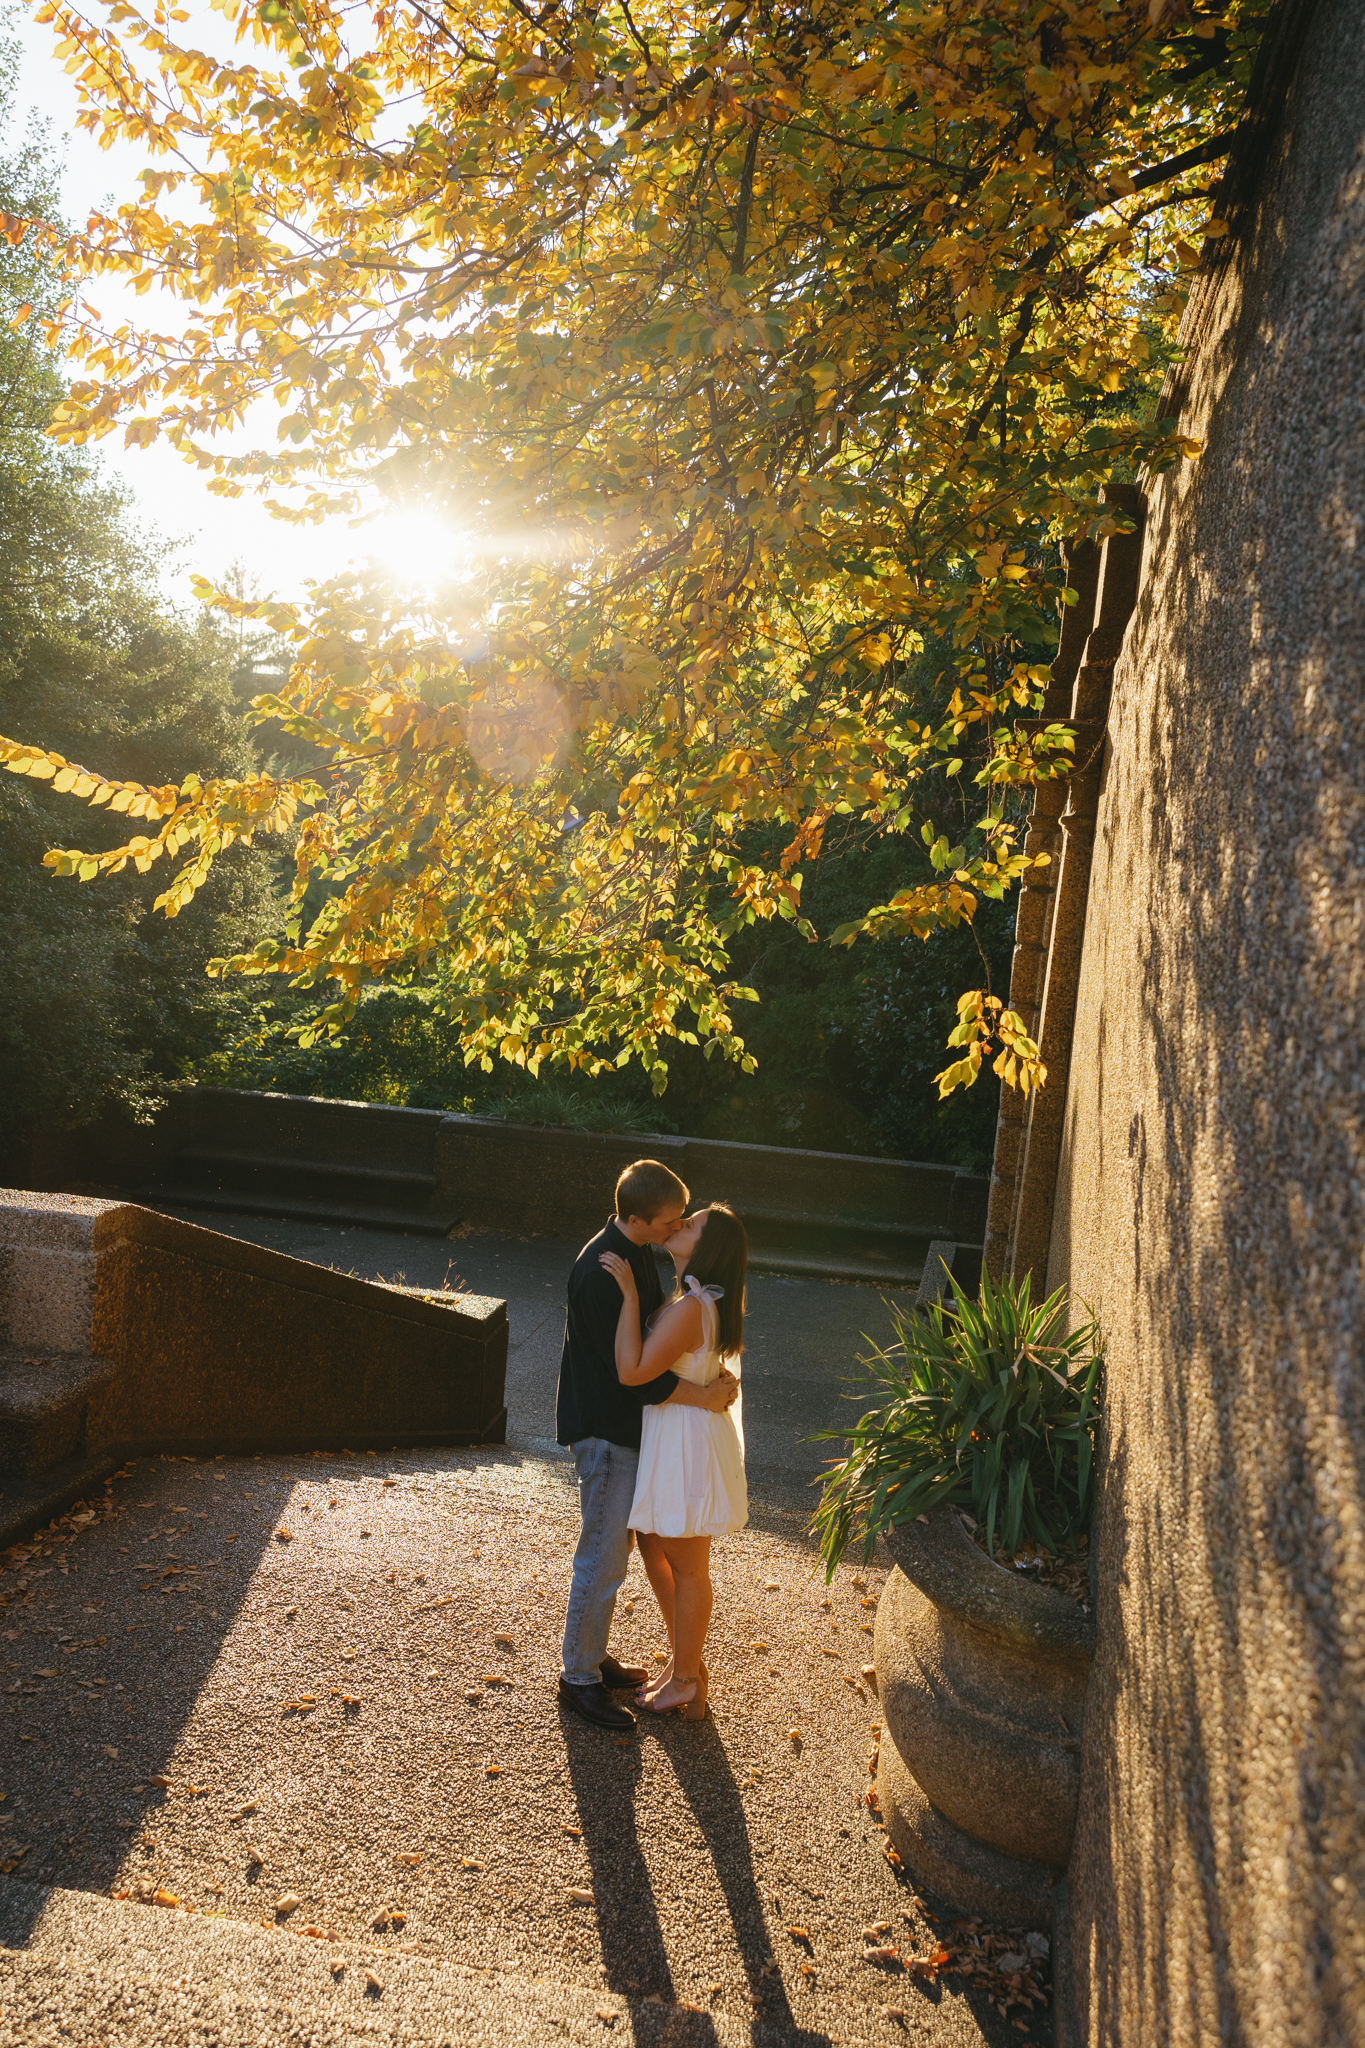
<point>1188,160</point>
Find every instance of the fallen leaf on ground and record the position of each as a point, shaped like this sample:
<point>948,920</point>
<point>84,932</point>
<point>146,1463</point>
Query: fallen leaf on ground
<point>109,1750</point>
<point>254,1855</point>
<point>470,1863</point>
<point>408,1857</point>
<point>771,1586</point>
<point>160,1779</point>
<point>492,1770</point>
<point>372,1982</point>
<point>758,1646</point>
<point>284,1535</point>
<point>581,1895</point>
<point>44,1674</point>
<point>165,1898</point>
<point>509,1641</point>
<point>605,2013</point>
<point>288,1902</point>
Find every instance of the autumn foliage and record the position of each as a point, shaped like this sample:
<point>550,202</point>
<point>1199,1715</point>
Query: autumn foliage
<point>754,352</point>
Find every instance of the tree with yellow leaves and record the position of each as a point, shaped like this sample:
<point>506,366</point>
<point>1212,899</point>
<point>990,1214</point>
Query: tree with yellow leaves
<point>751,349</point>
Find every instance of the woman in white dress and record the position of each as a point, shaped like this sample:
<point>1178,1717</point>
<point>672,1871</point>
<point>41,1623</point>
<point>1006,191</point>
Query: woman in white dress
<point>690,1486</point>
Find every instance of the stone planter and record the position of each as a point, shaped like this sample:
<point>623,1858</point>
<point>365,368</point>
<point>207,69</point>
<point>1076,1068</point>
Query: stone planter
<point>982,1680</point>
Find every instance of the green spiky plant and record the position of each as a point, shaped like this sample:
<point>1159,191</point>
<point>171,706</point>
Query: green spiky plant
<point>991,1408</point>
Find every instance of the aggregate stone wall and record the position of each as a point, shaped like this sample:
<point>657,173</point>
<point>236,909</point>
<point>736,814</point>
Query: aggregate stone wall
<point>1211,1201</point>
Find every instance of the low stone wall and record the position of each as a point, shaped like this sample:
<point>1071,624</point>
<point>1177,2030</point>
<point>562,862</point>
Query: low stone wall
<point>124,1330</point>
<point>804,1211</point>
<point>833,1214</point>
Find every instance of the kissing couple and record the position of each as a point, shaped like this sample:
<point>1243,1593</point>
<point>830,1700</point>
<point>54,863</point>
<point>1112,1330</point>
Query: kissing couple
<point>645,1404</point>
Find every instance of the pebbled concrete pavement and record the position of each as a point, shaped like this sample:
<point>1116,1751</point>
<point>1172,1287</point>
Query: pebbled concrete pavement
<point>343,1670</point>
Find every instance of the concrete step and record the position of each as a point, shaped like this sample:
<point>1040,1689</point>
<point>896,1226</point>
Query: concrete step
<point>324,1208</point>
<point>311,1127</point>
<point>27,1504</point>
<point>892,1271</point>
<point>86,1970</point>
<point>47,1402</point>
<point>235,1163</point>
<point>274,1183</point>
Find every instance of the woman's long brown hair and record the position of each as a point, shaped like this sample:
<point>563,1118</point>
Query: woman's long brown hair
<point>721,1259</point>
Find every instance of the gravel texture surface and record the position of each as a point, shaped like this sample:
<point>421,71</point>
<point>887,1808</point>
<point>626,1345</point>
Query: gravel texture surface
<point>283,1763</point>
<point>362,1754</point>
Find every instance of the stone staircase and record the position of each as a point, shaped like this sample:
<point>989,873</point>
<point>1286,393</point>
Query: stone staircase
<point>122,1330</point>
<point>51,1447</point>
<point>87,1970</point>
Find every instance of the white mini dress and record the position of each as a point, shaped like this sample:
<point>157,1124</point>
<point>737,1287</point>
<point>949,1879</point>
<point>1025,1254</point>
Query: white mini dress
<point>691,1474</point>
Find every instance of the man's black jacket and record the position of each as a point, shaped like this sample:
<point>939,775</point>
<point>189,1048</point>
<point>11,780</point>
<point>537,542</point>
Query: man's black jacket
<point>591,1400</point>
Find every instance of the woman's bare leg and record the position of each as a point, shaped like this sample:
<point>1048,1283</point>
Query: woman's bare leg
<point>659,1572</point>
<point>689,1560</point>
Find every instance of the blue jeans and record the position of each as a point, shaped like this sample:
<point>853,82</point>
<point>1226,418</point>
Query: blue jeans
<point>606,1488</point>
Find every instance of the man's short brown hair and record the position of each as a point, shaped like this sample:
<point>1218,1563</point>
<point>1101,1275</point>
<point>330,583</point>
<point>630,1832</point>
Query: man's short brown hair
<point>645,1188</point>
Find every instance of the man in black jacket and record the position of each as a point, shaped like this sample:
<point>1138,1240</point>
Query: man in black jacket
<point>601,1420</point>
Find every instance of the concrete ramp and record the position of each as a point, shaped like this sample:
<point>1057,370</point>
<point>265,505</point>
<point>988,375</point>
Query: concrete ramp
<point>122,1330</point>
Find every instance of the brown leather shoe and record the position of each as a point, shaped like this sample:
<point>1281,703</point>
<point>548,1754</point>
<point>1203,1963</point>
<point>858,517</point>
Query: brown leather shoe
<point>617,1677</point>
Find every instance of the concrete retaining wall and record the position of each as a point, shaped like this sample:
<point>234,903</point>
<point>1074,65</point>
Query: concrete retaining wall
<point>1211,1198</point>
<point>122,1330</point>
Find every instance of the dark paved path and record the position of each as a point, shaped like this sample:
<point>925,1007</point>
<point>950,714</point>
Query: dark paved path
<point>368,1706</point>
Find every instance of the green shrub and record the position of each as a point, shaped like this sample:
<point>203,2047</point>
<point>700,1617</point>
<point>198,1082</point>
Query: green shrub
<point>992,1408</point>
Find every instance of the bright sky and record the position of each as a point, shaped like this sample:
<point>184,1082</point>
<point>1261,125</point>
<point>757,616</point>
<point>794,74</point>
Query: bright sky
<point>169,495</point>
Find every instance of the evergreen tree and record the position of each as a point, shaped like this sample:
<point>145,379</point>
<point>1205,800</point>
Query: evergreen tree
<point>100,1001</point>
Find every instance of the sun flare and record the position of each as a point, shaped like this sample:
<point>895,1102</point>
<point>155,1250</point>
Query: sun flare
<point>418,549</point>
